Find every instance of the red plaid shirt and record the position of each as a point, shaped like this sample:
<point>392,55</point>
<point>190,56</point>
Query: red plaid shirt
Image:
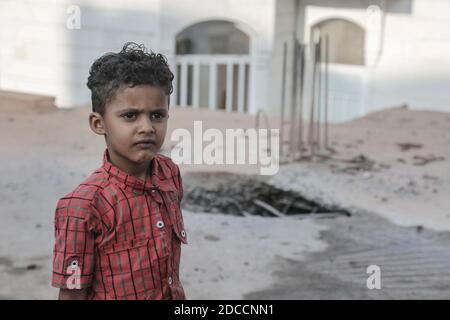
<point>125,237</point>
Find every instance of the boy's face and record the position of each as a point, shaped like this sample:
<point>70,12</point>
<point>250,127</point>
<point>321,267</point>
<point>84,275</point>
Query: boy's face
<point>134,125</point>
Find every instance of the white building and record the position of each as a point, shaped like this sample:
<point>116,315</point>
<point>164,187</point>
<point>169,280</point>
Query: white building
<point>383,53</point>
<point>228,54</point>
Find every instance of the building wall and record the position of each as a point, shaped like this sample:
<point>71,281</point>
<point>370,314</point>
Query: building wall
<point>254,17</point>
<point>415,65</point>
<point>407,63</point>
<point>41,55</point>
<point>286,16</point>
<point>407,50</point>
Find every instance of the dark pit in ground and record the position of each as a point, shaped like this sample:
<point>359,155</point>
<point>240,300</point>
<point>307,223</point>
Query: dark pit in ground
<point>246,195</point>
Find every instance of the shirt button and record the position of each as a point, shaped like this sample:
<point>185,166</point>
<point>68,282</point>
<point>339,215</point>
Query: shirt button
<point>183,233</point>
<point>159,224</point>
<point>170,280</point>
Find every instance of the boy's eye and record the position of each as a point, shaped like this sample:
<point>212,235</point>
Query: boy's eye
<point>129,115</point>
<point>158,116</point>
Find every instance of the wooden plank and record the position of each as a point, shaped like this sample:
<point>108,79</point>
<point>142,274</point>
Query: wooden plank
<point>268,208</point>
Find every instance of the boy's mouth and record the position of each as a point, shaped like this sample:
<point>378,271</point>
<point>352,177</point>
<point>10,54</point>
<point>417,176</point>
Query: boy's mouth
<point>145,143</point>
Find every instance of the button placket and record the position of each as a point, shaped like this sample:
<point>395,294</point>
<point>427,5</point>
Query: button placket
<point>157,194</point>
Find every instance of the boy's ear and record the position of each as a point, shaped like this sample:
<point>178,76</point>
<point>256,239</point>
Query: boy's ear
<point>96,123</point>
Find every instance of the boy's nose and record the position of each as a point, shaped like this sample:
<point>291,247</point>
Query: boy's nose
<point>145,125</point>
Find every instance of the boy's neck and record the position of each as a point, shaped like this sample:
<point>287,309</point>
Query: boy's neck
<point>142,172</point>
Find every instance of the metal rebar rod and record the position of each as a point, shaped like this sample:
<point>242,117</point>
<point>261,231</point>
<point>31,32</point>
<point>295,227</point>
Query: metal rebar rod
<point>301,86</point>
<point>311,114</point>
<point>292,136</point>
<point>319,91</point>
<point>283,98</point>
<point>327,61</point>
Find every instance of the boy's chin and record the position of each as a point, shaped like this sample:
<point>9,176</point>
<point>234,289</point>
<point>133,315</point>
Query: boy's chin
<point>145,155</point>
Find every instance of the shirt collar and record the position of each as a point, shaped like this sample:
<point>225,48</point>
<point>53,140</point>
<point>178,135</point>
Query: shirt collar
<point>128,181</point>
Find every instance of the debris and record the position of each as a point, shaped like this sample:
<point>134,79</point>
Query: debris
<point>268,208</point>
<point>243,195</point>
<point>296,204</point>
<point>32,266</point>
<point>430,177</point>
<point>241,210</point>
<point>211,237</point>
<point>408,145</point>
<point>421,160</point>
<point>384,166</point>
<point>358,159</point>
<point>329,215</point>
<point>331,149</point>
<point>359,163</point>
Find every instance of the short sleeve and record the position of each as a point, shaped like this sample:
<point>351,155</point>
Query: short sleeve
<point>73,254</point>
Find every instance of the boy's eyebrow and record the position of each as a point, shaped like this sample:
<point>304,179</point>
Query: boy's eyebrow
<point>128,109</point>
<point>139,110</point>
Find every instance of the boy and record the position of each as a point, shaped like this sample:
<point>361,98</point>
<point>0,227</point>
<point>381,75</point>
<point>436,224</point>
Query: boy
<point>119,233</point>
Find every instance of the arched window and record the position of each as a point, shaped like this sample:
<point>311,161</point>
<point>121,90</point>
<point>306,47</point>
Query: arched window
<point>346,40</point>
<point>212,37</point>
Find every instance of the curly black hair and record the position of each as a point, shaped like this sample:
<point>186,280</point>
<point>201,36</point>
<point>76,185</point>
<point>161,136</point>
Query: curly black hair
<point>132,66</point>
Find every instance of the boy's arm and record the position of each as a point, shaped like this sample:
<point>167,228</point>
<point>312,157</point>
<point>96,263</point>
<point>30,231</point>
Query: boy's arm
<point>73,254</point>
<point>74,294</point>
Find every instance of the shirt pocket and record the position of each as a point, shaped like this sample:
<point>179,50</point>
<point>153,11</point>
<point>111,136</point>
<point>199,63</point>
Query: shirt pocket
<point>173,205</point>
<point>134,268</point>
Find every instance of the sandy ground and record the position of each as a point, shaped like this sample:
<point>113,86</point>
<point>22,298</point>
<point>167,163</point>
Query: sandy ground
<point>399,209</point>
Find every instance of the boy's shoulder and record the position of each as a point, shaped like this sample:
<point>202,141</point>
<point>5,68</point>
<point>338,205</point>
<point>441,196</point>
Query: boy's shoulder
<point>167,161</point>
<point>171,171</point>
<point>167,168</point>
<point>82,196</point>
